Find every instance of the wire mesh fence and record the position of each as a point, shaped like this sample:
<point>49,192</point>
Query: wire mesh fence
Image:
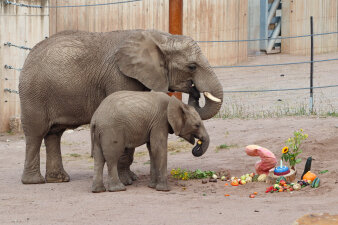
<point>279,90</point>
<point>264,89</point>
<point>69,6</point>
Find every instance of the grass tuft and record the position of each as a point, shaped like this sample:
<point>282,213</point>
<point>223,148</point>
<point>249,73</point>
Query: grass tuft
<point>224,146</point>
<point>74,155</point>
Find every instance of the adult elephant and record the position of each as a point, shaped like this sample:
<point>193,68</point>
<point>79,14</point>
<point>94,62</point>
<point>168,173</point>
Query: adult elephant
<point>65,78</point>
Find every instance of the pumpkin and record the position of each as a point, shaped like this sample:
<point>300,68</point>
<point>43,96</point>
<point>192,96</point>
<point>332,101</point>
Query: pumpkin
<point>309,176</point>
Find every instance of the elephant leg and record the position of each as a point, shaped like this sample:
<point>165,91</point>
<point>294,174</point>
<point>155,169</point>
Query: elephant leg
<point>126,175</point>
<point>153,175</point>
<point>158,145</point>
<point>31,173</point>
<point>55,172</point>
<point>98,169</point>
<point>112,151</point>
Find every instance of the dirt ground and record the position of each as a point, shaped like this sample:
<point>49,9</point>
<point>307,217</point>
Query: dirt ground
<point>189,202</point>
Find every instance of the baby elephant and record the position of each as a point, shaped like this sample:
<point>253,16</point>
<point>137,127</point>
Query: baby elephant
<point>127,119</point>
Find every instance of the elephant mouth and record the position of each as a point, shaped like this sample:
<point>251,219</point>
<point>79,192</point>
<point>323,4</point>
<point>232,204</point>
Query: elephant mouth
<point>189,138</point>
<point>195,94</point>
<point>197,151</point>
<point>200,148</point>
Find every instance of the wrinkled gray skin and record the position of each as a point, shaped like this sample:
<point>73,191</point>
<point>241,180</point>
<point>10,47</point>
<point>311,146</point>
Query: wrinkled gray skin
<point>126,120</point>
<point>65,78</point>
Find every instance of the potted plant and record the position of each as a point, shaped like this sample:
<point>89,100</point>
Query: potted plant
<point>292,148</point>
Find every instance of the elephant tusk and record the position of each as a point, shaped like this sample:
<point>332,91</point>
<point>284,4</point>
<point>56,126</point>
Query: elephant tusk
<point>211,97</point>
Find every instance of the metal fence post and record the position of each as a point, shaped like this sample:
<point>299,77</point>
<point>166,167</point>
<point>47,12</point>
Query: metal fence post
<point>311,67</point>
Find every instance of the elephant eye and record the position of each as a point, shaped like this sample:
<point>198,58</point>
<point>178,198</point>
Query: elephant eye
<point>192,67</point>
<point>197,126</point>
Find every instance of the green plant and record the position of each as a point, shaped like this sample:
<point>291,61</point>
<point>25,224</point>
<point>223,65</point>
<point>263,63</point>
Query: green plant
<point>333,114</point>
<point>292,148</point>
<point>224,146</point>
<point>182,174</point>
<point>323,171</point>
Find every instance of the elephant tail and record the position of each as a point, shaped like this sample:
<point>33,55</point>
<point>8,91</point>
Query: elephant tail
<point>92,135</point>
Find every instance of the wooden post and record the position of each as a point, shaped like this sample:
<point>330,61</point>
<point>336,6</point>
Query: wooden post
<point>176,26</point>
<point>175,16</point>
<point>52,18</point>
<point>311,67</point>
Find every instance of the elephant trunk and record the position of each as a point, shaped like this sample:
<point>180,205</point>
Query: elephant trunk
<point>199,150</point>
<point>213,93</point>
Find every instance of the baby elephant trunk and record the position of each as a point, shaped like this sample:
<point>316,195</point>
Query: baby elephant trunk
<point>201,146</point>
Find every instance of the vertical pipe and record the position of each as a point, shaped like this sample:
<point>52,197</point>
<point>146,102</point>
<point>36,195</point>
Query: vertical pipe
<point>311,66</point>
<point>176,26</point>
<point>175,16</point>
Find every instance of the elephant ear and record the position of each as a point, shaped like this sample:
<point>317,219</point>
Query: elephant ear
<point>176,115</point>
<point>141,58</point>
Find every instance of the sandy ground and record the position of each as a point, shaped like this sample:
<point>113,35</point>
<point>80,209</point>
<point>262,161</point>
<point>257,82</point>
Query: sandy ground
<point>189,202</point>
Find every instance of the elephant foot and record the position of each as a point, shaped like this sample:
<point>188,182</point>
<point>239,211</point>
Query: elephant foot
<point>57,177</point>
<point>32,178</point>
<point>132,175</point>
<point>127,176</point>
<point>152,185</point>
<point>97,188</point>
<point>162,187</point>
<point>116,187</point>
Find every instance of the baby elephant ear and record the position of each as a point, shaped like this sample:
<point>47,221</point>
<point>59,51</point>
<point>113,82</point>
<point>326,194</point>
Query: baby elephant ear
<point>140,58</point>
<point>175,114</point>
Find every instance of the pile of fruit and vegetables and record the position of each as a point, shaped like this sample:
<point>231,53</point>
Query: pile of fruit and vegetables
<point>283,186</point>
<point>247,178</point>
